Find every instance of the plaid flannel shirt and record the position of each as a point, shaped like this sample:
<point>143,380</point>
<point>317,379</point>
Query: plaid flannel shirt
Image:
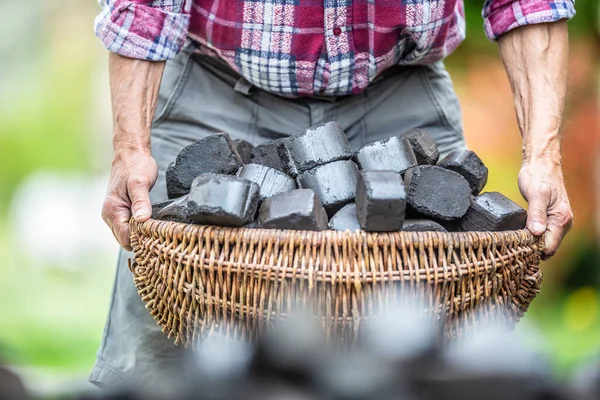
<point>309,47</point>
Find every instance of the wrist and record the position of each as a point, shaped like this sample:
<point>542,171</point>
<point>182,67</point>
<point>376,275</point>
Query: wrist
<point>542,149</point>
<point>128,147</point>
<point>549,161</point>
<point>124,154</point>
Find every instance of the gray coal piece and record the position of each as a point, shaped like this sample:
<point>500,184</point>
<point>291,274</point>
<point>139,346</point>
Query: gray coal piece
<point>345,219</point>
<point>222,200</point>
<point>156,207</point>
<point>313,147</point>
<point>451,226</point>
<point>244,149</point>
<point>175,211</point>
<point>437,193</point>
<point>422,225</point>
<point>470,166</point>
<point>393,154</point>
<point>299,209</point>
<point>212,154</point>
<point>423,146</point>
<point>270,180</point>
<point>380,201</point>
<point>492,211</point>
<point>334,183</point>
<point>267,154</point>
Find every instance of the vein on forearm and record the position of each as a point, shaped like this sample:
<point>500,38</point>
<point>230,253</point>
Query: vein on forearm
<point>535,58</point>
<point>134,86</point>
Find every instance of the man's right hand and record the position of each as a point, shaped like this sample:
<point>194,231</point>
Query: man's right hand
<point>132,176</point>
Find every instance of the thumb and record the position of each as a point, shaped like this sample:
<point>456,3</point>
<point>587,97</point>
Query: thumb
<point>536,215</point>
<point>141,209</point>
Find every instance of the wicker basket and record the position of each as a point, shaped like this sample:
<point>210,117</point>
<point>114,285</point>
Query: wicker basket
<point>196,280</point>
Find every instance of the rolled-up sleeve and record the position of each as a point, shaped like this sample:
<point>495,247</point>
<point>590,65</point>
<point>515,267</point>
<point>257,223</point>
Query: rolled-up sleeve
<point>501,16</point>
<point>152,30</point>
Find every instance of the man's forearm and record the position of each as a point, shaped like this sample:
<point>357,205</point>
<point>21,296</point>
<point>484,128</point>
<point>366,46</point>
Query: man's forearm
<point>535,57</point>
<point>134,88</point>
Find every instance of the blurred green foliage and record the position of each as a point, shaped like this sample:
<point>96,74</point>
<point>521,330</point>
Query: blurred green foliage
<point>46,127</point>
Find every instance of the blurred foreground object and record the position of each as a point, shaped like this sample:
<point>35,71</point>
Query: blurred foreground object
<point>11,386</point>
<point>398,357</point>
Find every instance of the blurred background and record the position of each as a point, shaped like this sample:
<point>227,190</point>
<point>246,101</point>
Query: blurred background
<point>57,258</point>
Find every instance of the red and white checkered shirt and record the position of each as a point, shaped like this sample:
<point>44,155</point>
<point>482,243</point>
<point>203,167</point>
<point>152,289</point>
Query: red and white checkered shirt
<point>309,47</point>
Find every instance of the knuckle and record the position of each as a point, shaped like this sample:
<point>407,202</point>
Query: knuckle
<point>139,181</point>
<point>565,216</point>
<point>543,193</point>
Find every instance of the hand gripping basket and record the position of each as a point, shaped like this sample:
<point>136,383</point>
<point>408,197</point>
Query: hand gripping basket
<point>196,280</point>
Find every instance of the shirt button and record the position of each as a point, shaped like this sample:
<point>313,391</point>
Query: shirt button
<point>337,31</point>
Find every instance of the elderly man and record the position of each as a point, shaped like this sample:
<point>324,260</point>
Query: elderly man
<point>264,69</point>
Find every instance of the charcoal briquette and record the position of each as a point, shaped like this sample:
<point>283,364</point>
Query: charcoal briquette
<point>334,183</point>
<point>244,149</point>
<point>222,200</point>
<point>380,201</point>
<point>393,154</point>
<point>175,211</point>
<point>270,180</point>
<point>422,225</point>
<point>313,147</point>
<point>267,154</point>
<point>470,166</point>
<point>438,193</point>
<point>211,154</point>
<point>492,211</point>
<point>345,219</point>
<point>423,146</point>
<point>299,209</point>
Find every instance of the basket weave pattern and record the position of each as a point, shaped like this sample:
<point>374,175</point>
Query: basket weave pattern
<point>196,280</point>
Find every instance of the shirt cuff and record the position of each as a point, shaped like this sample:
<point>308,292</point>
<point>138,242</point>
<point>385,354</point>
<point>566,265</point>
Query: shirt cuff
<point>141,31</point>
<point>501,16</point>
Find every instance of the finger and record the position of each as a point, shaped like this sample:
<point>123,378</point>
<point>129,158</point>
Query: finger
<point>552,240</point>
<point>117,218</point>
<point>536,215</point>
<point>121,232</point>
<point>559,225</point>
<point>140,201</point>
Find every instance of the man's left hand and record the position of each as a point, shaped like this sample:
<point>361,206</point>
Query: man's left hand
<point>542,185</point>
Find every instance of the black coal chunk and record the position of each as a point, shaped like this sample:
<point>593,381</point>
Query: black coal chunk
<point>422,225</point>
<point>175,211</point>
<point>492,211</point>
<point>299,209</point>
<point>423,146</point>
<point>380,201</point>
<point>270,180</point>
<point>212,154</point>
<point>345,219</point>
<point>334,183</point>
<point>437,192</point>
<point>393,154</point>
<point>313,147</point>
<point>470,166</point>
<point>244,149</point>
<point>267,154</point>
<point>222,200</point>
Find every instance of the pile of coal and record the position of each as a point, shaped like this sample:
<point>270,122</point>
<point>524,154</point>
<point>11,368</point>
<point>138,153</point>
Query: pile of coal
<point>314,181</point>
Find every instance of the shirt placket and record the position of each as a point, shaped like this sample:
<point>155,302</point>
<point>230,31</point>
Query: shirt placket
<point>334,19</point>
